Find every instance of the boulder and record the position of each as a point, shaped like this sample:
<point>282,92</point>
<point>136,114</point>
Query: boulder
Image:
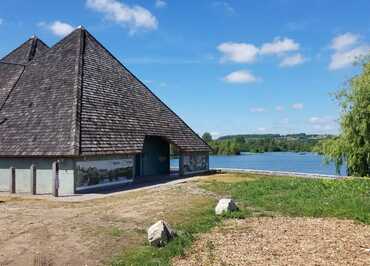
<point>160,233</point>
<point>225,205</point>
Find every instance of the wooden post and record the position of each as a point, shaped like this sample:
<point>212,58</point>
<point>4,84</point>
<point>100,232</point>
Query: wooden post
<point>12,179</point>
<point>33,179</point>
<point>55,179</point>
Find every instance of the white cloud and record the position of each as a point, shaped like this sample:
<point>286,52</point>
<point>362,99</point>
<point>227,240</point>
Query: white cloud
<point>257,110</point>
<point>248,53</point>
<point>262,129</point>
<point>342,59</point>
<point>238,52</point>
<point>279,46</point>
<point>324,123</point>
<point>58,28</point>
<point>160,4</point>
<point>240,76</point>
<point>135,17</point>
<point>293,60</point>
<point>298,106</point>
<point>321,120</point>
<point>279,108</point>
<point>346,50</point>
<point>344,41</point>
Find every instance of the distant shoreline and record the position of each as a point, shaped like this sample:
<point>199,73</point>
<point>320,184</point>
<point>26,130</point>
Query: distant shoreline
<point>292,162</point>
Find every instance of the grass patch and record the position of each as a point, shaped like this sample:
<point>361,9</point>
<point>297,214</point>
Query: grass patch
<point>347,198</point>
<point>256,196</point>
<point>239,214</point>
<point>196,216</point>
<point>201,221</point>
<point>116,232</point>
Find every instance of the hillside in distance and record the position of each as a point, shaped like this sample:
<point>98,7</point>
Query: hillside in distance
<point>275,136</point>
<point>235,144</point>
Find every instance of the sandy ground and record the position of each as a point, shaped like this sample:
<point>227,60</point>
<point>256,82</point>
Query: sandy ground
<point>48,232</point>
<point>282,241</point>
<point>42,232</point>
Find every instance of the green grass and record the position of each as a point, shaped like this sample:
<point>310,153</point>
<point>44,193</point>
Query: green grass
<point>348,198</point>
<point>201,221</point>
<point>116,232</point>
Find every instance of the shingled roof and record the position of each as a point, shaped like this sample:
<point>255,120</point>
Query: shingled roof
<point>30,49</point>
<point>77,99</point>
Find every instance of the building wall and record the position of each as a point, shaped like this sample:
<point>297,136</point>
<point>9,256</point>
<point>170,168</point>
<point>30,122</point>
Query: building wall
<point>193,163</point>
<point>43,173</point>
<point>156,163</point>
<point>95,172</point>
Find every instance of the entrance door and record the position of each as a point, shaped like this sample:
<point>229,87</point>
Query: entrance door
<point>156,156</point>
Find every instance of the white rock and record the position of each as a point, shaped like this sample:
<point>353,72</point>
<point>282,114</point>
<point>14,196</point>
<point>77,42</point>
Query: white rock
<point>225,205</point>
<point>160,233</point>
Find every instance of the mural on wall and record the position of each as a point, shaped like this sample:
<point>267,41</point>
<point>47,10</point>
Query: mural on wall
<point>96,173</point>
<point>193,163</point>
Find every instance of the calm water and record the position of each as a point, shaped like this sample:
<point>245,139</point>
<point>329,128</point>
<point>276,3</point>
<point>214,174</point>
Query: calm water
<point>273,161</point>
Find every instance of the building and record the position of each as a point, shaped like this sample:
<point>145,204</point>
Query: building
<point>76,108</point>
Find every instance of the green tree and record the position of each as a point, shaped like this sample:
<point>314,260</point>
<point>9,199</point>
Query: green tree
<point>352,146</point>
<point>239,140</point>
<point>207,137</point>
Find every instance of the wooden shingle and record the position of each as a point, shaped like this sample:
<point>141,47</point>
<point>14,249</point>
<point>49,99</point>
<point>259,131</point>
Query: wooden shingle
<point>77,99</point>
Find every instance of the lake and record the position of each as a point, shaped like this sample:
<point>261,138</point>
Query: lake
<point>273,161</point>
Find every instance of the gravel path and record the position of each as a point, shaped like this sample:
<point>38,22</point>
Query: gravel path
<point>282,241</point>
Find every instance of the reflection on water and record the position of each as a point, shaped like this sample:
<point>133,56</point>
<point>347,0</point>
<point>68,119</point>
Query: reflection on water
<point>274,161</point>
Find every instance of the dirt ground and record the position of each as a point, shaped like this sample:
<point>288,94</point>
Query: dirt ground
<point>41,232</point>
<point>282,241</point>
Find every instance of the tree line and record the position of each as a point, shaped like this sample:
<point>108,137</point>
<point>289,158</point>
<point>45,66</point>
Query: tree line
<point>351,147</point>
<point>234,145</point>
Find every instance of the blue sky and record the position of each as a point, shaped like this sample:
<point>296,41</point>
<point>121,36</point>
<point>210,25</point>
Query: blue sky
<point>225,67</point>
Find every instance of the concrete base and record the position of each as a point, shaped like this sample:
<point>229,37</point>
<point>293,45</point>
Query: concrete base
<point>43,175</point>
<point>73,173</point>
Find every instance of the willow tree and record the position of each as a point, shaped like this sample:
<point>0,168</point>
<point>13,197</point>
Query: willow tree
<point>352,146</point>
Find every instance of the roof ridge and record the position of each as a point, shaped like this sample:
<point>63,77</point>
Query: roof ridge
<point>35,44</point>
<point>77,105</point>
<point>54,45</point>
<point>42,42</point>
<point>14,85</point>
<point>13,51</point>
<point>32,42</point>
<point>10,63</point>
<point>32,50</point>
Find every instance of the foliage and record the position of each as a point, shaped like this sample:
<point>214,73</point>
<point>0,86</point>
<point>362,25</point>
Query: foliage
<point>353,144</point>
<point>207,137</point>
<point>347,198</point>
<point>264,143</point>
